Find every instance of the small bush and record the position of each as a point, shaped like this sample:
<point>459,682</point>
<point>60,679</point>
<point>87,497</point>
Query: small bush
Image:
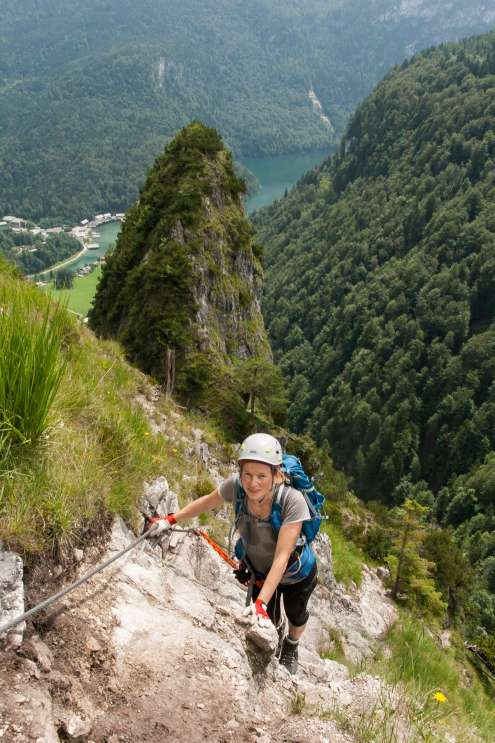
<point>203,486</point>
<point>298,703</point>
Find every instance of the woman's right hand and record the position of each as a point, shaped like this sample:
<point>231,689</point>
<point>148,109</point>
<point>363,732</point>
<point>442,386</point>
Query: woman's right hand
<point>160,524</point>
<point>242,573</point>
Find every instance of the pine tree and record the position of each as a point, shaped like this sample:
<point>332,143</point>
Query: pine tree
<point>411,573</point>
<point>262,382</point>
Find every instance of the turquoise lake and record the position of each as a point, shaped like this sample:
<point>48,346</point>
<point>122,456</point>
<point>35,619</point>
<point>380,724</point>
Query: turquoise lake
<point>278,173</point>
<point>107,237</point>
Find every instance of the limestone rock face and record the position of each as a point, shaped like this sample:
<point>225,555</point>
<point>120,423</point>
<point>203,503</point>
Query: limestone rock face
<point>323,548</point>
<point>11,595</point>
<point>158,499</point>
<point>360,617</point>
<point>186,273</point>
<point>166,634</point>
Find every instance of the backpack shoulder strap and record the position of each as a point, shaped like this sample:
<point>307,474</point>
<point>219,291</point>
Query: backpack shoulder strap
<point>238,500</point>
<point>277,506</point>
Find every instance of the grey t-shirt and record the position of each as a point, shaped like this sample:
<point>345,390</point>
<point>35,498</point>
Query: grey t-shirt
<point>257,533</point>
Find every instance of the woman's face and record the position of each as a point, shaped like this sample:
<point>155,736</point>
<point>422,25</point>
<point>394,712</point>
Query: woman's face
<point>256,479</point>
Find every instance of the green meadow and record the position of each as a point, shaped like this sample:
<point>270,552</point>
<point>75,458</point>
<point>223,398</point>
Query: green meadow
<point>79,298</point>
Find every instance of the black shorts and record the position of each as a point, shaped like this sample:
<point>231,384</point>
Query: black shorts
<point>296,597</point>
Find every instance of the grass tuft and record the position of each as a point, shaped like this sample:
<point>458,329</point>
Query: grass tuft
<point>443,688</point>
<point>347,558</point>
<point>32,365</point>
<point>298,703</point>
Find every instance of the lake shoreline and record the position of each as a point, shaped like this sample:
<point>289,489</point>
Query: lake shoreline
<point>57,266</point>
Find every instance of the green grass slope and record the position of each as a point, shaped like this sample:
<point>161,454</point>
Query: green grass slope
<point>74,452</point>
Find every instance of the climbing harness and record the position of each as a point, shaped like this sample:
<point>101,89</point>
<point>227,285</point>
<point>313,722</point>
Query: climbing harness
<point>52,599</point>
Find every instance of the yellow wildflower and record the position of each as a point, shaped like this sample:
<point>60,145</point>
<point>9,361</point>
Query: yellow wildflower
<point>439,697</point>
<point>146,433</point>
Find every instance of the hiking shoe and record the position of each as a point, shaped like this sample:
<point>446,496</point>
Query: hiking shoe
<point>288,655</point>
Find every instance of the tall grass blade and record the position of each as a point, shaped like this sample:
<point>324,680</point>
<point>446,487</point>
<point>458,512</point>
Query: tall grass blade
<point>32,332</point>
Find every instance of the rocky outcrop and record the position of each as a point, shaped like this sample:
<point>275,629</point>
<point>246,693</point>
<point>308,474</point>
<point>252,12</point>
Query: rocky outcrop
<point>168,637</point>
<point>163,631</point>
<point>11,595</point>
<point>186,272</point>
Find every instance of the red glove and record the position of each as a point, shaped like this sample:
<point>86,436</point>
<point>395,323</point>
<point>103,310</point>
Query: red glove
<point>261,613</point>
<point>159,524</point>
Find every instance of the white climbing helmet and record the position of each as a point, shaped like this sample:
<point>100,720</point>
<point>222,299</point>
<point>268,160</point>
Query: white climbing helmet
<point>261,447</point>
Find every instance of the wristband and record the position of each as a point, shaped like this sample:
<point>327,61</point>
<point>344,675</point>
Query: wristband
<point>171,519</point>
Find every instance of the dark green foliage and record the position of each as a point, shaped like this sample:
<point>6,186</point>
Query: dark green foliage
<point>468,503</point>
<point>380,300</point>
<point>377,542</point>
<point>318,464</point>
<point>453,573</point>
<point>261,383</point>
<point>462,507</point>
<point>411,572</point>
<point>145,295</point>
<point>91,90</point>
<point>64,279</point>
<point>488,567</point>
<point>381,281</point>
<point>486,648</point>
<point>33,253</point>
<point>184,277</point>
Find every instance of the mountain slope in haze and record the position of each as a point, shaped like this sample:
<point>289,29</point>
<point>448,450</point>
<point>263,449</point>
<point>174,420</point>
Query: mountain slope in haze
<point>90,91</point>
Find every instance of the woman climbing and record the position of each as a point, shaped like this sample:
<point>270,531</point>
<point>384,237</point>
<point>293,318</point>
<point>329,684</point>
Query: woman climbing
<point>269,519</point>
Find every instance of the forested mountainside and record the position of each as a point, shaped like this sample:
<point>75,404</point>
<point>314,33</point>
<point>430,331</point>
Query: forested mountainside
<point>90,90</point>
<point>31,252</point>
<point>380,295</point>
<point>186,276</point>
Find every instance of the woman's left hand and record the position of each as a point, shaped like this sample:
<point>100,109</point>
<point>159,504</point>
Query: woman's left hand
<point>261,614</point>
<point>258,613</point>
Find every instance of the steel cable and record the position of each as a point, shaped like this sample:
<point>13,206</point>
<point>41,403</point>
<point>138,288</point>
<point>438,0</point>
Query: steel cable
<point>51,599</point>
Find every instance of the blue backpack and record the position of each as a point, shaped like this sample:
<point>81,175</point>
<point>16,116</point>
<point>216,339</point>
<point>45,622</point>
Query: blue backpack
<point>315,500</point>
<point>298,479</point>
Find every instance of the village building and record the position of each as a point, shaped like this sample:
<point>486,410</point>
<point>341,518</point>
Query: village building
<point>15,223</point>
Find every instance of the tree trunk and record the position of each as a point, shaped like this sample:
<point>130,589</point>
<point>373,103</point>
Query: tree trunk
<point>169,372</point>
<point>253,390</point>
